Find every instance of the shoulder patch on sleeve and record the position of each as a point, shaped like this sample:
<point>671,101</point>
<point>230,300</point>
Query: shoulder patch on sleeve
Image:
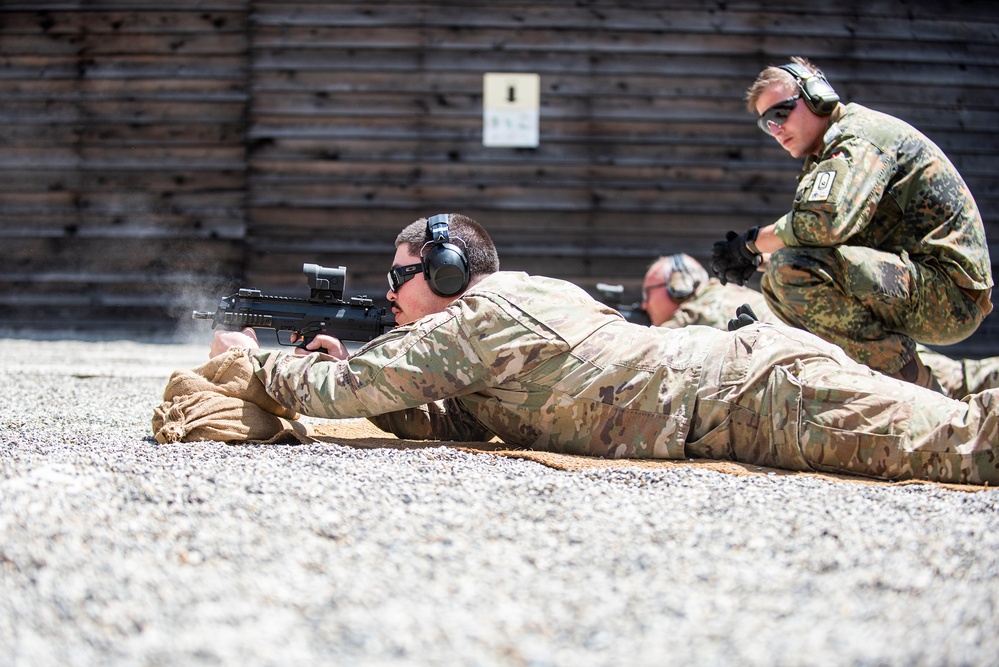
<point>822,185</point>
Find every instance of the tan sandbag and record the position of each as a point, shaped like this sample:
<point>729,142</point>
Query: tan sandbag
<point>206,415</point>
<point>223,400</point>
<point>228,374</point>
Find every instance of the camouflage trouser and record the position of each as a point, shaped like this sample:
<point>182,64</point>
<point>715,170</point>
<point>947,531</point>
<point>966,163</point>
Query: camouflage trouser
<point>780,397</point>
<point>960,377</point>
<point>873,304</point>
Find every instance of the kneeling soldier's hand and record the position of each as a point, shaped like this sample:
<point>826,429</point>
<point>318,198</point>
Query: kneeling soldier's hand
<point>732,260</point>
<point>744,316</point>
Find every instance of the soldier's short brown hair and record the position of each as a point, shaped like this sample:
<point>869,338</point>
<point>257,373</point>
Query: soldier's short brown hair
<point>463,232</point>
<point>775,75</point>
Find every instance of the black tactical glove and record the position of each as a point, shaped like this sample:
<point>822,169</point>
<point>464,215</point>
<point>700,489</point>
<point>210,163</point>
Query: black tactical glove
<point>744,316</point>
<point>732,260</point>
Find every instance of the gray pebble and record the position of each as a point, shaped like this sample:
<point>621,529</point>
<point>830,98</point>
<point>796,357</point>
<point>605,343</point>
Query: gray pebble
<point>116,550</point>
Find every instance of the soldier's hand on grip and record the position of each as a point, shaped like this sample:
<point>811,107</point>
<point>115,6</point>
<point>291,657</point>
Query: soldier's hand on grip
<point>322,343</point>
<point>732,260</point>
<point>744,316</point>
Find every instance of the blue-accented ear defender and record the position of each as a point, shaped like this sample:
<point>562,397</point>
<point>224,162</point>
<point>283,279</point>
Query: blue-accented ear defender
<point>680,284</point>
<point>819,96</point>
<point>445,266</point>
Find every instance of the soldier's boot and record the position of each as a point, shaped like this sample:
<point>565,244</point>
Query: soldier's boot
<point>917,373</point>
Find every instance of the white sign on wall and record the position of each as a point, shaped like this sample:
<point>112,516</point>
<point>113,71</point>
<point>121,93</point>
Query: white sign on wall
<point>511,105</point>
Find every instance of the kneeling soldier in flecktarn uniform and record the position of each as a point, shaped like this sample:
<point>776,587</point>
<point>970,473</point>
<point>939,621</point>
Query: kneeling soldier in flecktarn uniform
<point>884,245</point>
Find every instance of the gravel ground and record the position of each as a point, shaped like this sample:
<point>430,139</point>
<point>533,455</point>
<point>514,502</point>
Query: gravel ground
<point>115,550</point>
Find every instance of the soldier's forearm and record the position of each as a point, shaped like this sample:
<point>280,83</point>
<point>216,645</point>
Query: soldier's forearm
<point>767,241</point>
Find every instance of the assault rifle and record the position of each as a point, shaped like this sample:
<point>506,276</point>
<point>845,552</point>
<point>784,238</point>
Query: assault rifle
<point>611,296</point>
<point>324,312</point>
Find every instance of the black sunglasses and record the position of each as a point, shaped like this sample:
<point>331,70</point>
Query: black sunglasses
<point>649,288</point>
<point>398,275</point>
<point>778,113</point>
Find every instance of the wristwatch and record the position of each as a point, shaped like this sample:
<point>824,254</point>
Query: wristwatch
<point>751,240</point>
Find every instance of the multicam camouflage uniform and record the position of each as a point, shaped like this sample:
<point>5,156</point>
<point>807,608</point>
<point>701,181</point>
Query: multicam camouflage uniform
<point>542,365</point>
<point>885,244</point>
<point>960,377</point>
<point>713,304</point>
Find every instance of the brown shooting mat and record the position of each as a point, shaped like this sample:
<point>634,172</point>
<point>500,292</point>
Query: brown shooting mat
<point>362,434</point>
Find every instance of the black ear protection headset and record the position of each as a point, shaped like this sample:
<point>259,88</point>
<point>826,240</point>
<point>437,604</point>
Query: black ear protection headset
<point>445,266</point>
<point>680,284</point>
<point>819,96</point>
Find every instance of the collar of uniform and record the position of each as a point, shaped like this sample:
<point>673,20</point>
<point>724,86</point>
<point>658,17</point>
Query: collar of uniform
<point>833,130</point>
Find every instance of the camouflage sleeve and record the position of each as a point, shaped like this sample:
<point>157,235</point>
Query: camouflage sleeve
<point>681,318</point>
<point>407,367</point>
<point>714,304</point>
<point>440,420</point>
<point>837,196</point>
<point>468,347</point>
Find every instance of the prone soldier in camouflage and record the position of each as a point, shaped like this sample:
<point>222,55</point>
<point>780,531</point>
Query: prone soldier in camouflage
<point>884,245</point>
<point>541,364</point>
<point>678,292</point>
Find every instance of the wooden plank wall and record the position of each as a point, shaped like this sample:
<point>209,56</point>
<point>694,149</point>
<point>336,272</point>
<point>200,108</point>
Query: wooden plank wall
<point>122,159</point>
<point>330,125</point>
